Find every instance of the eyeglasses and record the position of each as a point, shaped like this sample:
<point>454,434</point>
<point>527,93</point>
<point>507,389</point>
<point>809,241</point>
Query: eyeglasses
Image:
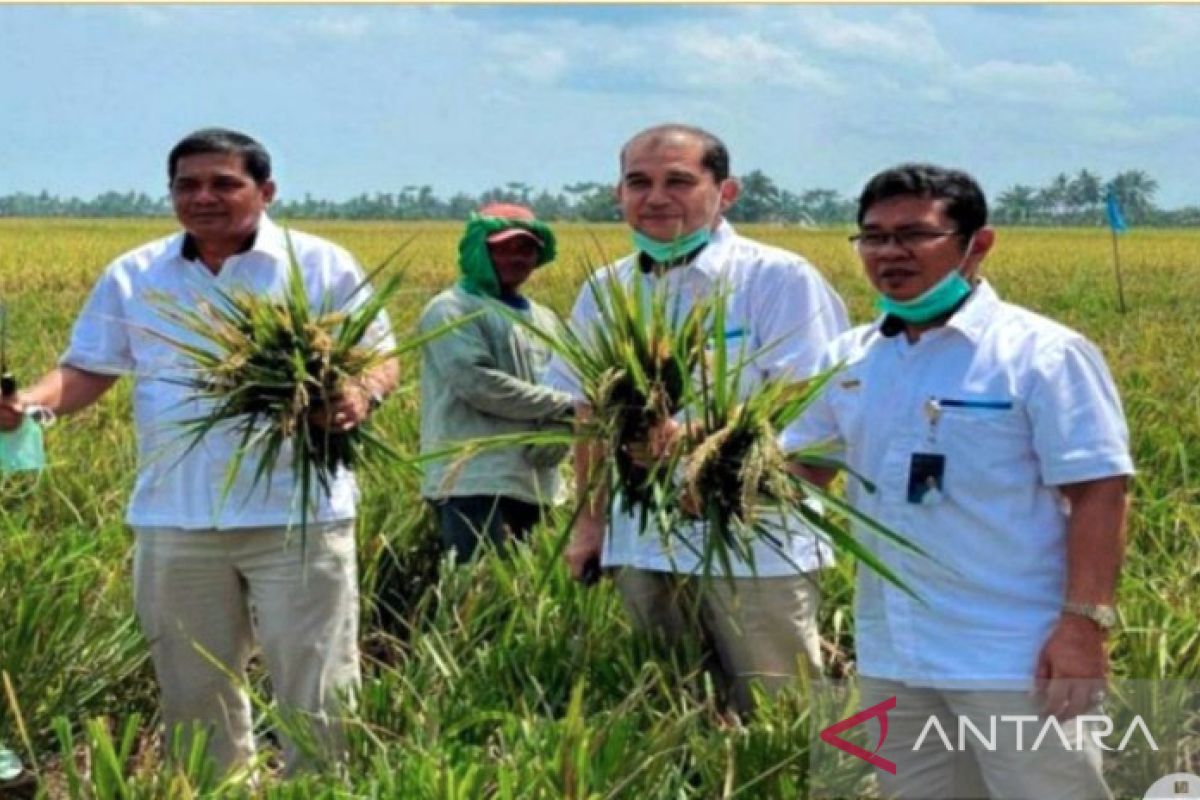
<point>906,240</point>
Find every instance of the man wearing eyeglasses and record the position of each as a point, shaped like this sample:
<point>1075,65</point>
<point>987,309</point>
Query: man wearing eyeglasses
<point>995,442</point>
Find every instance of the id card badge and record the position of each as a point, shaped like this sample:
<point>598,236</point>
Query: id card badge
<point>925,478</point>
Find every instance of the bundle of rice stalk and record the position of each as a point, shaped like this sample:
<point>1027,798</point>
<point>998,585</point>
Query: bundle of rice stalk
<point>265,364</point>
<point>735,475</point>
<point>634,368</point>
<point>645,361</point>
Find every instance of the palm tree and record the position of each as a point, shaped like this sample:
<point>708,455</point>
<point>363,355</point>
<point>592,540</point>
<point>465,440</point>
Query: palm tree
<point>1017,204</point>
<point>1135,192</point>
<point>758,200</point>
<point>1054,198</point>
<point>824,206</point>
<point>1086,191</point>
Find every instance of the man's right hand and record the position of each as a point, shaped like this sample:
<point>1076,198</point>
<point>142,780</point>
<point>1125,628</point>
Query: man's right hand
<point>12,413</point>
<point>586,541</point>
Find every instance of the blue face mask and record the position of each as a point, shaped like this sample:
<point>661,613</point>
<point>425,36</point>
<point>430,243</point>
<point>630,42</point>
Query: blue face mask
<point>937,300</point>
<point>21,449</point>
<point>666,252</point>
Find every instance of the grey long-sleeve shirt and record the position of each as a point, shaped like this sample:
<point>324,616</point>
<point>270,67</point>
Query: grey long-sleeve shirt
<point>482,379</point>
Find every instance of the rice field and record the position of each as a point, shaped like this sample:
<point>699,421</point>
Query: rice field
<point>506,680</point>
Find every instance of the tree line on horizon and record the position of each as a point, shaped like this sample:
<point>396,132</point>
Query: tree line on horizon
<point>1076,200</point>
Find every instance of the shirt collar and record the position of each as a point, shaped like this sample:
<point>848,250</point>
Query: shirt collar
<point>707,260</point>
<point>268,239</point>
<point>972,319</point>
<point>646,264</point>
<point>517,301</point>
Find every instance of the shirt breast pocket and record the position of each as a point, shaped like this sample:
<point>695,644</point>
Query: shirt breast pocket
<point>539,355</point>
<point>987,434</point>
<point>845,397</point>
<point>736,343</point>
<point>832,426</point>
<point>530,355</point>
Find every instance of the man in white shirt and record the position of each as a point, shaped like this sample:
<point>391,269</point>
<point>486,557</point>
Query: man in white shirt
<point>674,188</point>
<point>995,441</point>
<point>213,576</point>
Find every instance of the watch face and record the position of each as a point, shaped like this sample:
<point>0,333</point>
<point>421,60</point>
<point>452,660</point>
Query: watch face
<point>1106,617</point>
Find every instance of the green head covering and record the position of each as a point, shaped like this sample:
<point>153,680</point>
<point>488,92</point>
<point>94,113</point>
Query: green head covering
<point>474,262</point>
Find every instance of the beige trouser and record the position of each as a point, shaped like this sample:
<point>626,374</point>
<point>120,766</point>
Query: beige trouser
<point>759,629</point>
<point>207,593</point>
<point>1049,772</point>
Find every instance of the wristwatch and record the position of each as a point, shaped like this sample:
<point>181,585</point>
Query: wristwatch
<point>375,397</point>
<point>1105,617</point>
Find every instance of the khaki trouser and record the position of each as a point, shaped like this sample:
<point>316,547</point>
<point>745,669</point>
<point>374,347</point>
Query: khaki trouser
<point>203,595</point>
<point>759,629</point>
<point>1049,772</point>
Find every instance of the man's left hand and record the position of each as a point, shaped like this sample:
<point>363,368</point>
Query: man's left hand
<point>1072,668</point>
<point>347,409</point>
<point>661,442</point>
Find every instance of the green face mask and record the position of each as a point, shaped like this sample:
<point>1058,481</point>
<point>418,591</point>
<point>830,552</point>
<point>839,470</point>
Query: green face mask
<point>939,299</point>
<point>666,252</point>
<point>21,449</point>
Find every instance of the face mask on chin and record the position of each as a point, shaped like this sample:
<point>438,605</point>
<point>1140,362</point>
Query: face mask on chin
<point>936,301</point>
<point>666,252</point>
<point>21,450</point>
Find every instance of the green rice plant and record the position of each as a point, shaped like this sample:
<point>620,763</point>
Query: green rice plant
<point>736,476</point>
<point>645,361</point>
<point>57,659</point>
<point>634,367</point>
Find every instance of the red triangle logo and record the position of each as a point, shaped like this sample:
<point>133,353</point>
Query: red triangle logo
<point>831,734</point>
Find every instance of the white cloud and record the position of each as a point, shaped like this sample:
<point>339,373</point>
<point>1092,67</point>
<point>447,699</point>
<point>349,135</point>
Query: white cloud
<point>907,38</point>
<point>526,57</point>
<point>159,17</point>
<point>1058,85</point>
<point>338,26</point>
<point>709,58</point>
<point>1144,132</point>
<point>1168,34</point>
<point>647,59</point>
<point>150,16</point>
<point>937,95</point>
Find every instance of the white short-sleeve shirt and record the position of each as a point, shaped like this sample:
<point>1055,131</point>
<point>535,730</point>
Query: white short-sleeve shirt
<point>113,336</point>
<point>1016,405</point>
<point>773,297</point>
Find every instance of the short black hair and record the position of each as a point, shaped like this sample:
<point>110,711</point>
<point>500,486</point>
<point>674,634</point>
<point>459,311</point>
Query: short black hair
<point>255,157</point>
<point>965,203</point>
<point>715,155</point>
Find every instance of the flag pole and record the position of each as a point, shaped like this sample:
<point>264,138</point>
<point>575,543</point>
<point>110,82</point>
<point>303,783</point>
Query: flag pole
<point>1116,223</point>
<point>1117,268</point>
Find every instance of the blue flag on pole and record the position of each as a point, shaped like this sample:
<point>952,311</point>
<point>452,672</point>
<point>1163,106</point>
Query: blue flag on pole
<point>1112,209</point>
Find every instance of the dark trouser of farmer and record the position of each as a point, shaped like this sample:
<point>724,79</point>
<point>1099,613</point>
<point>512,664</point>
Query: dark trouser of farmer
<point>464,522</point>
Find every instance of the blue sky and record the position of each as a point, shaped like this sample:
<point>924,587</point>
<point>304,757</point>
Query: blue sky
<point>374,98</point>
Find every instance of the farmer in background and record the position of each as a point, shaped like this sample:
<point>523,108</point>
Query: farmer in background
<point>212,575</point>
<point>761,621</point>
<point>995,441</point>
<point>482,379</point>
